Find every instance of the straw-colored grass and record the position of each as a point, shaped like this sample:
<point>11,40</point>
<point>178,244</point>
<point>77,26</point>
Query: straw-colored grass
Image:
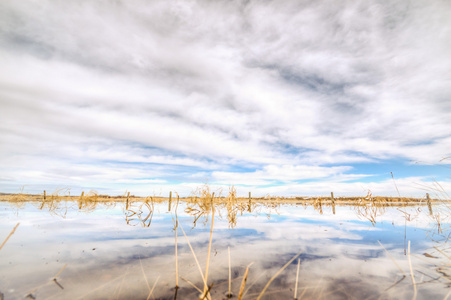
<point>209,243</point>
<point>411,273</point>
<point>32,293</point>
<point>393,260</point>
<point>243,282</point>
<point>204,205</point>
<point>229,295</point>
<point>277,274</point>
<point>9,235</point>
<point>297,280</point>
<point>194,255</point>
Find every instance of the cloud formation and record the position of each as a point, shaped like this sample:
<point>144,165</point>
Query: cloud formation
<point>237,92</point>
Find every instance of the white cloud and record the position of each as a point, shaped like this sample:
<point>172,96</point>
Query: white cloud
<point>224,85</point>
<point>271,174</point>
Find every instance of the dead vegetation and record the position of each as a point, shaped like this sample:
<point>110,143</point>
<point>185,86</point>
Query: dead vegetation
<point>204,192</point>
<point>203,204</point>
<point>139,210</point>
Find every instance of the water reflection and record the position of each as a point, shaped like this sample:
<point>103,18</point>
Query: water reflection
<point>128,250</point>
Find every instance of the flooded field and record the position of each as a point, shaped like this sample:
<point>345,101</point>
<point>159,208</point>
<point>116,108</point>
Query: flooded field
<point>208,249</point>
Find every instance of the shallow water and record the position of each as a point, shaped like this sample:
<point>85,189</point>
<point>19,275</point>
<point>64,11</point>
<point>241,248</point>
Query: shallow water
<point>111,254</point>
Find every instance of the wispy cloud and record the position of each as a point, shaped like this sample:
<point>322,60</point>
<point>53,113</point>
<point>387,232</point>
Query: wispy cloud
<point>243,92</point>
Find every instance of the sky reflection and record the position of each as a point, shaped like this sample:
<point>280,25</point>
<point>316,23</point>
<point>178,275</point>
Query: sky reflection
<point>109,259</point>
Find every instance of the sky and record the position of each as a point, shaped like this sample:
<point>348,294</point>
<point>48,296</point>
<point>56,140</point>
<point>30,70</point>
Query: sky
<point>274,97</point>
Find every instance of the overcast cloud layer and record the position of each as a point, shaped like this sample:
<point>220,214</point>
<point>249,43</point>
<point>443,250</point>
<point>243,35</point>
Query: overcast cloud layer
<point>285,97</point>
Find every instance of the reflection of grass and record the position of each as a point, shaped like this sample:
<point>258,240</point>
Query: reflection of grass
<point>32,293</point>
<point>370,208</point>
<point>204,204</point>
<point>204,200</point>
<point>139,210</point>
<point>141,214</point>
<point>277,274</point>
<point>201,194</point>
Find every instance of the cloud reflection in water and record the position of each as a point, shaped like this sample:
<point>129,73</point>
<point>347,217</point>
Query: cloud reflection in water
<point>341,256</point>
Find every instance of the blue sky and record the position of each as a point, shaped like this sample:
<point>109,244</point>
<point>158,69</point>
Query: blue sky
<point>275,97</point>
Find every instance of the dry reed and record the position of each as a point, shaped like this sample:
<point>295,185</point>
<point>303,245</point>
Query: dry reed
<point>144,274</point>
<point>9,235</point>
<point>411,273</point>
<point>277,274</point>
<point>297,278</point>
<point>393,260</point>
<point>176,263</point>
<point>100,287</point>
<point>122,283</point>
<point>176,224</point>
<point>209,243</point>
<point>229,295</point>
<point>206,293</point>
<point>394,182</point>
<point>192,284</point>
<point>153,288</point>
<point>243,282</point>
<point>194,255</point>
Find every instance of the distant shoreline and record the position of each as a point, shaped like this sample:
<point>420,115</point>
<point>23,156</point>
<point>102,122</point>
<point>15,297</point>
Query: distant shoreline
<point>17,197</point>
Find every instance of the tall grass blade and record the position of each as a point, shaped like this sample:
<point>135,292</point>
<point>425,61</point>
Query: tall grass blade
<point>277,274</point>
<point>297,277</point>
<point>122,283</point>
<point>144,274</point>
<point>153,288</point>
<point>209,243</point>
<point>192,284</point>
<point>229,295</point>
<point>176,259</point>
<point>10,234</point>
<point>243,283</point>
<point>194,254</point>
<point>393,260</point>
<point>395,184</point>
<point>100,287</point>
<point>411,274</point>
<point>60,271</point>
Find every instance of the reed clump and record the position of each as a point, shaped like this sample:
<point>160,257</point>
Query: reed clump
<point>234,207</point>
<point>140,213</point>
<point>370,208</point>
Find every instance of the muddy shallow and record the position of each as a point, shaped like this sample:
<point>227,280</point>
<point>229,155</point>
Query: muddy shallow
<point>114,253</point>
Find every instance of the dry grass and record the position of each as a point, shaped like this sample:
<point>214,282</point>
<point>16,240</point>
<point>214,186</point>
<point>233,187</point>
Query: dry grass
<point>33,292</point>
<point>203,205</point>
<point>204,192</point>
<point>297,280</point>
<point>195,257</point>
<point>411,274</point>
<point>140,213</point>
<point>370,208</point>
<point>206,289</point>
<point>277,274</point>
<point>243,282</point>
<point>9,235</point>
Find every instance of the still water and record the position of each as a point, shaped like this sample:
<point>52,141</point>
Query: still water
<point>108,252</point>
